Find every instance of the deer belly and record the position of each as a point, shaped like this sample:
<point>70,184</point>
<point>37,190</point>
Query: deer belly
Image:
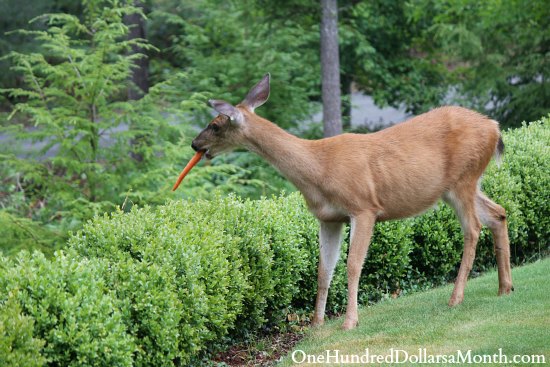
<point>326,211</point>
<point>329,213</point>
<point>403,205</point>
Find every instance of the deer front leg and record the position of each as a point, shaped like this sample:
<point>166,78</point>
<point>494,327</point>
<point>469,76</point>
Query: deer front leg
<point>330,239</point>
<point>361,232</point>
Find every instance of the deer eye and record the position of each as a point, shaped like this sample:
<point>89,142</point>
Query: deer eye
<point>215,127</point>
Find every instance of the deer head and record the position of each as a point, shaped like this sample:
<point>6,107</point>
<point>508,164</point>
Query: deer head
<point>227,130</point>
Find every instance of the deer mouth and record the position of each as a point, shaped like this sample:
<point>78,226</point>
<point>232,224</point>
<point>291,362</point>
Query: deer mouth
<point>207,154</point>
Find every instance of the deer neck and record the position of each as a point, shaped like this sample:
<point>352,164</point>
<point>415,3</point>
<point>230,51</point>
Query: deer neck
<point>291,155</point>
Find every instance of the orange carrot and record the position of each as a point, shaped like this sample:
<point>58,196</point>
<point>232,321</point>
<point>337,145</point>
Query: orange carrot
<point>192,162</point>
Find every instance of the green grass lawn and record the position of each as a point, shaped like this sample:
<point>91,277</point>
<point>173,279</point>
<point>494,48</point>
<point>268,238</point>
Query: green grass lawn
<point>483,323</point>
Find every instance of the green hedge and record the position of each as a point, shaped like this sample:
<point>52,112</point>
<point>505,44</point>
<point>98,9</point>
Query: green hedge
<point>18,346</point>
<point>165,286</point>
<point>230,266</point>
<point>74,318</point>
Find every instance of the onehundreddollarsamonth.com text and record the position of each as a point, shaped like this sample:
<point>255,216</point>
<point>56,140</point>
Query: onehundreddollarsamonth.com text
<point>421,356</point>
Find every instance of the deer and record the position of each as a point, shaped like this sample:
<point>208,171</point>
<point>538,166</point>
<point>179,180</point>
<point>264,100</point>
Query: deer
<point>360,179</point>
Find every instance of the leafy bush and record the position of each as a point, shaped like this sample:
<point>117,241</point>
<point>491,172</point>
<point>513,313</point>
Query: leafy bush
<point>18,347</point>
<point>387,263</point>
<point>175,280</point>
<point>236,262</point>
<point>437,245</point>
<point>527,159</point>
<point>17,233</point>
<point>74,314</point>
<point>151,309</point>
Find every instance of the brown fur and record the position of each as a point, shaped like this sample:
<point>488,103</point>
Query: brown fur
<point>395,173</point>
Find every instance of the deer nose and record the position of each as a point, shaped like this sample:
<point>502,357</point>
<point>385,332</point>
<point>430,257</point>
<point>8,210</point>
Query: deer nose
<point>194,146</point>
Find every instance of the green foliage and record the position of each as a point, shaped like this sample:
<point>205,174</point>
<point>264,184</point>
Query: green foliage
<point>289,260</point>
<point>525,166</point>
<point>438,245</point>
<point>238,272</point>
<point>419,53</point>
<point>73,99</point>
<point>18,233</point>
<point>179,277</point>
<point>74,314</point>
<point>387,263</point>
<point>98,151</point>
<point>15,14</point>
<point>380,54</point>
<point>497,52</point>
<point>226,47</point>
<point>151,309</point>
<point>242,268</point>
<point>18,347</point>
<point>175,280</point>
<point>94,150</point>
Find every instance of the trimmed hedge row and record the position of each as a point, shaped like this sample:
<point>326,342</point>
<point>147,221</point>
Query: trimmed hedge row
<point>231,264</point>
<point>163,286</point>
<point>60,313</point>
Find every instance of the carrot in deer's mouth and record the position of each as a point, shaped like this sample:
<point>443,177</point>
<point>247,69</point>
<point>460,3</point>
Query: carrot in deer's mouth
<point>192,162</point>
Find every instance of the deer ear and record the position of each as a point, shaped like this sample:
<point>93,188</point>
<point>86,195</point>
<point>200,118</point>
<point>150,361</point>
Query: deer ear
<point>258,95</point>
<point>226,108</point>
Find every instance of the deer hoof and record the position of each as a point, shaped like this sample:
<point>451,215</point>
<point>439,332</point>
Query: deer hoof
<point>317,322</point>
<point>350,324</point>
<point>505,289</point>
<point>455,300</point>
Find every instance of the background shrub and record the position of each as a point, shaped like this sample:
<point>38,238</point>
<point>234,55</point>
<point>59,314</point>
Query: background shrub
<point>151,310</point>
<point>388,261</point>
<point>527,159</point>
<point>437,245</point>
<point>274,218</point>
<point>19,233</point>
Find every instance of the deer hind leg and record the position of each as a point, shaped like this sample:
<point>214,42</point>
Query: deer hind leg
<point>361,232</point>
<point>462,201</point>
<point>494,216</point>
<point>330,239</point>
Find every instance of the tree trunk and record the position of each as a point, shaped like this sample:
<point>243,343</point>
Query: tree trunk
<point>346,101</point>
<point>140,74</point>
<point>330,69</point>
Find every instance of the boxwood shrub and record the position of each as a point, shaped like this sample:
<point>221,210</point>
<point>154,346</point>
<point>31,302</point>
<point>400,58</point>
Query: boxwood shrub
<point>234,265</point>
<point>74,317</point>
<point>527,160</point>
<point>18,345</point>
